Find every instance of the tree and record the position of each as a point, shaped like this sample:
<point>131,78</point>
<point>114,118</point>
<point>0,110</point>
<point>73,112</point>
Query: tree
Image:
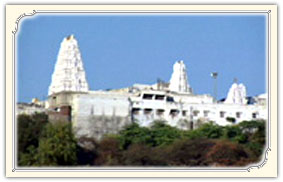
<point>163,134</point>
<point>255,131</point>
<point>135,134</point>
<point>234,133</point>
<point>57,146</point>
<point>29,128</point>
<point>207,130</point>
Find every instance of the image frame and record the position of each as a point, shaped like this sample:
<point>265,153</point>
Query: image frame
<point>16,13</point>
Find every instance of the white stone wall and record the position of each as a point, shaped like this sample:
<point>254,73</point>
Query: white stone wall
<point>99,113</point>
<point>192,108</point>
<point>29,109</point>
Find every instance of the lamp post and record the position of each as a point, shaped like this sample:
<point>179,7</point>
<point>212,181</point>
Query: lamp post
<point>214,76</point>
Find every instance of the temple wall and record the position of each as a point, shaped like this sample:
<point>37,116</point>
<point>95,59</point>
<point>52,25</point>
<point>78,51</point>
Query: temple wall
<point>97,114</point>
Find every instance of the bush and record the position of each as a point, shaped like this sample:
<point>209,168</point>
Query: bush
<point>143,155</point>
<point>207,130</point>
<point>188,152</point>
<point>234,133</point>
<point>225,153</point>
<point>109,152</point>
<point>86,151</point>
<point>163,134</point>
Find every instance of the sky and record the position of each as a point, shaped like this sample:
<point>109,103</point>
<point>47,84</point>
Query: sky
<point>121,50</point>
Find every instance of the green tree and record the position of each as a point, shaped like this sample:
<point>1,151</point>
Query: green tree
<point>234,133</point>
<point>163,134</point>
<point>207,130</point>
<point>135,134</point>
<point>256,133</point>
<point>29,128</point>
<point>57,146</point>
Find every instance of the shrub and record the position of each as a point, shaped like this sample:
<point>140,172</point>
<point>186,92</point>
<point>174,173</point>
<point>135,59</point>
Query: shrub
<point>109,152</point>
<point>188,152</point>
<point>225,153</point>
<point>143,155</point>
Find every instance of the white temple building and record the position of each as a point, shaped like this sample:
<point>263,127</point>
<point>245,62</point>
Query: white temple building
<point>95,113</point>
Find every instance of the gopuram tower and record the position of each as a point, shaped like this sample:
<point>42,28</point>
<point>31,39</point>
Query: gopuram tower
<point>69,74</point>
<point>179,79</point>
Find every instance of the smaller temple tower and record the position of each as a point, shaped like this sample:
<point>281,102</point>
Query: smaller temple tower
<point>179,79</point>
<point>237,94</point>
<point>69,74</point>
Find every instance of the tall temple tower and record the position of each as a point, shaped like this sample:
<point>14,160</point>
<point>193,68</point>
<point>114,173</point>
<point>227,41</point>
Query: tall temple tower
<point>179,78</point>
<point>69,74</point>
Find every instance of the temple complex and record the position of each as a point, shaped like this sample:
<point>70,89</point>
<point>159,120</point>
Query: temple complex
<point>95,113</point>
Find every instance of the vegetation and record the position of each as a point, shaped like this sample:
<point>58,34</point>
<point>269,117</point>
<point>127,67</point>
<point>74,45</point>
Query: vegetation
<point>41,143</point>
<point>46,144</point>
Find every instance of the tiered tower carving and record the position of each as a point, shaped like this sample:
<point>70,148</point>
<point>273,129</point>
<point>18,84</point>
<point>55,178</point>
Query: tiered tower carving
<point>69,74</point>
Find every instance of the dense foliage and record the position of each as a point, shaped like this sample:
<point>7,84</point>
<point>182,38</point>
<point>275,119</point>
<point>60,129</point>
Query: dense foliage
<point>47,145</point>
<point>41,143</point>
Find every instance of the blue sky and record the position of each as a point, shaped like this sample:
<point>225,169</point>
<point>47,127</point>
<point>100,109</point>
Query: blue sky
<point>120,50</point>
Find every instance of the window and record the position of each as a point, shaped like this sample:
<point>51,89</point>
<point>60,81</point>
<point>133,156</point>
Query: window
<point>174,112</point>
<point>254,115</point>
<point>238,114</point>
<point>169,99</point>
<point>159,97</point>
<point>147,111</point>
<point>147,96</point>
<point>160,112</point>
<point>222,114</point>
<point>184,113</point>
<point>205,113</point>
<point>136,111</point>
<point>195,113</point>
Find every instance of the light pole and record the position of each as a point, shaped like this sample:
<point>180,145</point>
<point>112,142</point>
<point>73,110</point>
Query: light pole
<point>214,76</point>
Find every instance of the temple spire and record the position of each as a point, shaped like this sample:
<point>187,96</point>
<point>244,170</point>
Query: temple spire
<point>179,78</point>
<point>237,94</point>
<point>69,74</point>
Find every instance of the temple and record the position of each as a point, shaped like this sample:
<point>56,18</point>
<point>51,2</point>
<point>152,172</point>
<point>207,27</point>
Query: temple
<point>95,113</point>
